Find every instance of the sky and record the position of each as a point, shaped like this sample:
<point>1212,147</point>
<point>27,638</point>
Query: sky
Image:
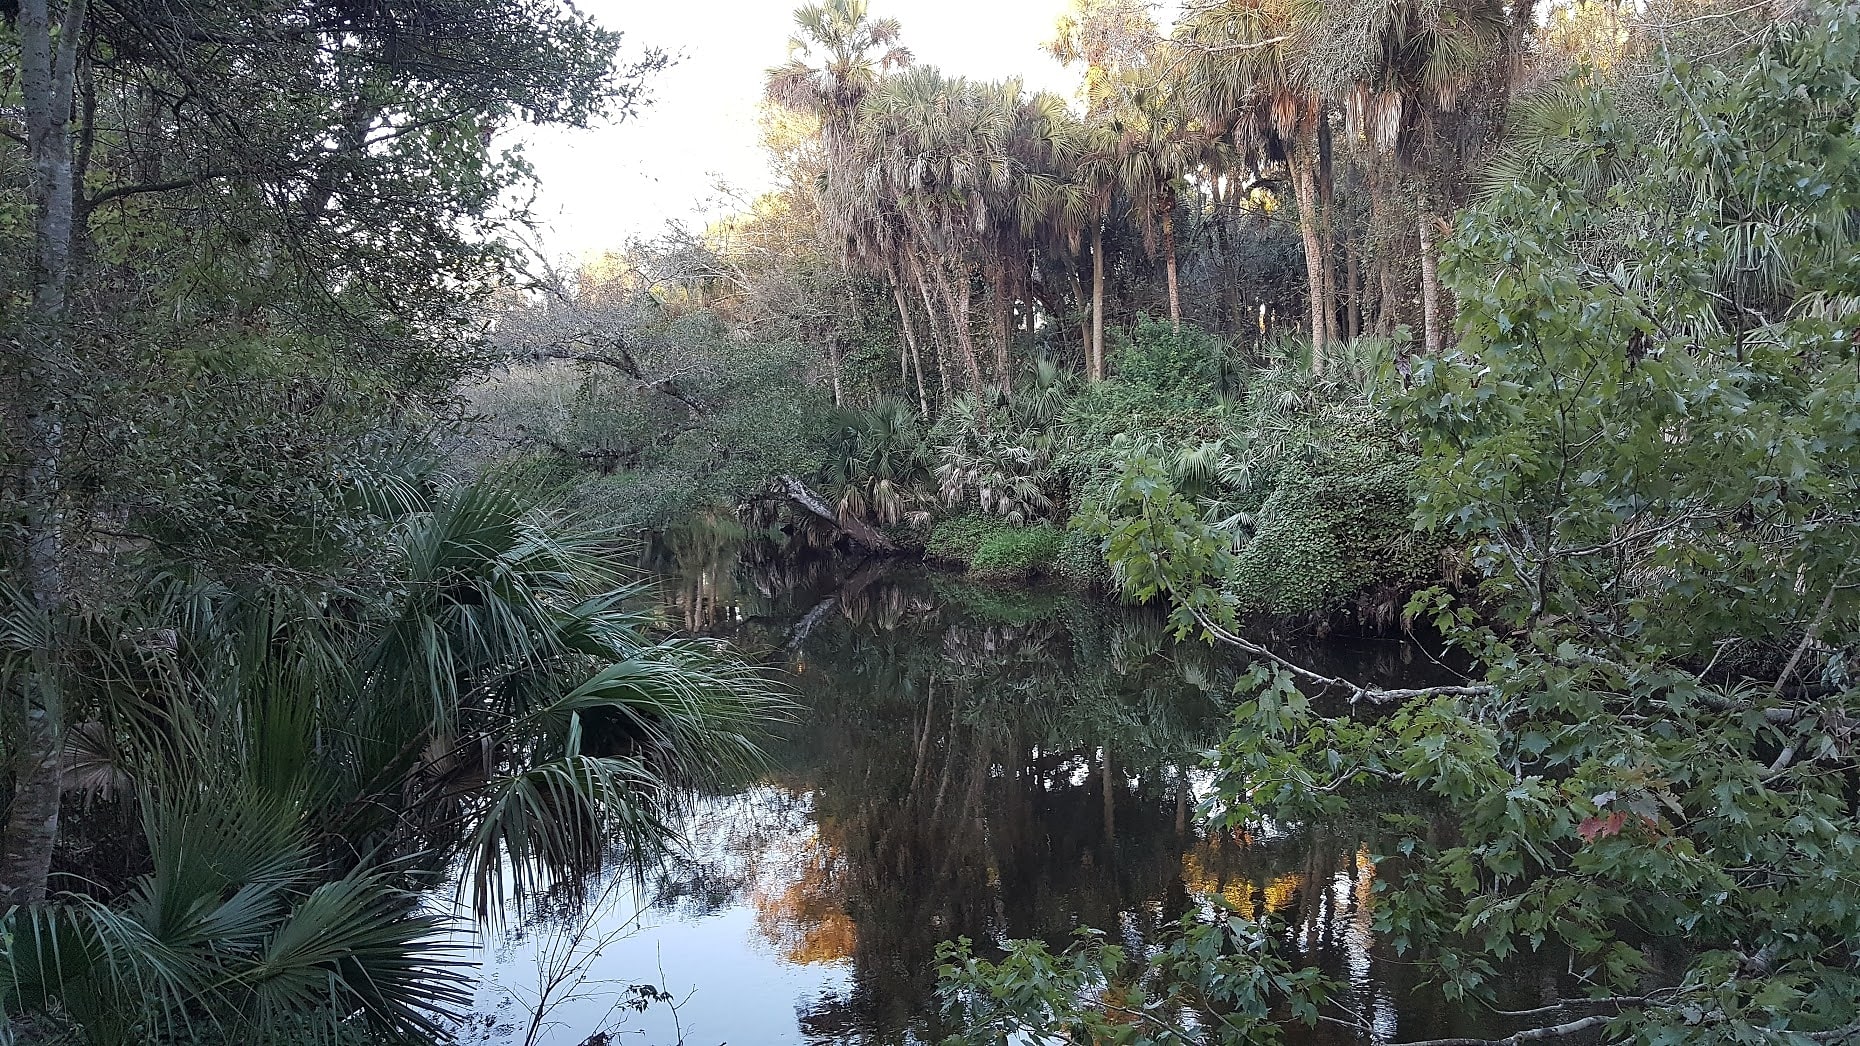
<point>606,184</point>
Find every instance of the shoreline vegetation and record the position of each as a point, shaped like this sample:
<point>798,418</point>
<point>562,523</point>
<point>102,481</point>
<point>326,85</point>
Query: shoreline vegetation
<point>1534,326</point>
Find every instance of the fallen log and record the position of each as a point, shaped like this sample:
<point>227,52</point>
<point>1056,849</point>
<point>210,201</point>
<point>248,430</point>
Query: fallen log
<point>862,533</point>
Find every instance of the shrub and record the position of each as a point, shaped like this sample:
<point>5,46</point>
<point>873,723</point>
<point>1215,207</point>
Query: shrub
<point>1321,538</point>
<point>995,548</point>
<point>1018,552</point>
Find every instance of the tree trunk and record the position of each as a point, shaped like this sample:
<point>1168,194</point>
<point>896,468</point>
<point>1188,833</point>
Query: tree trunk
<point>1304,187</point>
<point>48,74</point>
<point>1353,294</point>
<point>937,338</point>
<point>1000,322</point>
<point>1095,363</point>
<point>1168,232</point>
<point>833,366</point>
<point>861,532</point>
<point>1430,285</point>
<point>1382,241</point>
<point>916,360</point>
<point>1078,295</point>
<point>959,306</point>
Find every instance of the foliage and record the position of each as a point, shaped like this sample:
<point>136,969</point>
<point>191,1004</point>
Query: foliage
<point>1216,981</point>
<point>1019,552</point>
<point>1649,450</point>
<point>444,714</point>
<point>237,932</point>
<point>995,548</point>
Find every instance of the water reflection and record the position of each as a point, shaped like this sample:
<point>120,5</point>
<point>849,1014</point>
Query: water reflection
<point>978,762</point>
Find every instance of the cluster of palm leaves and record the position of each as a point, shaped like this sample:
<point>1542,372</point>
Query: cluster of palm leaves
<point>995,454</point>
<point>491,709</point>
<point>882,465</point>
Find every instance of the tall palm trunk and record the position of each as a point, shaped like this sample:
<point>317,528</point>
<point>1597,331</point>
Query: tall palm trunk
<point>1383,235</point>
<point>1002,310</point>
<point>1096,361</point>
<point>1430,284</point>
<point>937,337</point>
<point>1353,293</point>
<point>1304,187</point>
<point>915,359</point>
<point>1168,233</point>
<point>48,75</point>
<point>959,306</point>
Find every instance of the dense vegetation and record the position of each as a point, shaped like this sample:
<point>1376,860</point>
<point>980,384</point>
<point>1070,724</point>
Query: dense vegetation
<point>272,669</point>
<point>1532,328</point>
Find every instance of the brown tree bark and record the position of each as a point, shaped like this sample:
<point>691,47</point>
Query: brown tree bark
<point>937,338</point>
<point>1304,187</point>
<point>1353,295</point>
<point>48,75</point>
<point>1168,233</point>
<point>1002,308</point>
<point>959,306</point>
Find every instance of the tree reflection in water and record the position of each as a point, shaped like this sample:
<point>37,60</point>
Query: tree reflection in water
<point>996,764</point>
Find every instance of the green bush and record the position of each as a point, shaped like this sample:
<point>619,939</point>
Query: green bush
<point>995,548</point>
<point>958,538</point>
<point>1081,558</point>
<point>1322,538</point>
<point>1018,552</point>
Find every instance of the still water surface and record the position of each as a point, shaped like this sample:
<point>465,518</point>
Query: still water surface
<point>967,761</point>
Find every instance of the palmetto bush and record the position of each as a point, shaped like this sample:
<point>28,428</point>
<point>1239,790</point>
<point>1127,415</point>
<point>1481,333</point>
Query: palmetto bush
<point>492,703</point>
<point>881,466</point>
<point>995,453</point>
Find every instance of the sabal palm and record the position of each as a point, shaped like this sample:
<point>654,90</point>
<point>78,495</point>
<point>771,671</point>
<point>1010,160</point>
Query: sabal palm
<point>1245,75</point>
<point>439,715</point>
<point>838,55</point>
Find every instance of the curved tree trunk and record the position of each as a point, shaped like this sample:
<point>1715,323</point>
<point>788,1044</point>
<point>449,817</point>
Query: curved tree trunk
<point>915,360</point>
<point>862,533</point>
<point>937,338</point>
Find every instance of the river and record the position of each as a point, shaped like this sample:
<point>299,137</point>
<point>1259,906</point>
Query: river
<point>966,761</point>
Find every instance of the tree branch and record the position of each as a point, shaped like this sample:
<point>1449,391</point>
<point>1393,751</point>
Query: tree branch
<point>1357,692</point>
<point>1555,1031</point>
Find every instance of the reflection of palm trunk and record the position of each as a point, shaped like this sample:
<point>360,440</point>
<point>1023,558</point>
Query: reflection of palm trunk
<point>923,736</point>
<point>1181,802</point>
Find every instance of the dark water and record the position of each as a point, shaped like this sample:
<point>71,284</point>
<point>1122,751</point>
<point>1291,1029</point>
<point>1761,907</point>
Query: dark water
<point>967,761</point>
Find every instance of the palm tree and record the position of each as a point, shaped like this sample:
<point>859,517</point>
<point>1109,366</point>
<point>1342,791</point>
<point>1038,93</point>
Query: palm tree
<point>1244,75</point>
<point>1114,40</point>
<point>446,718</point>
<point>935,150</point>
<point>850,52</point>
<point>1401,71</point>
<point>1155,151</point>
